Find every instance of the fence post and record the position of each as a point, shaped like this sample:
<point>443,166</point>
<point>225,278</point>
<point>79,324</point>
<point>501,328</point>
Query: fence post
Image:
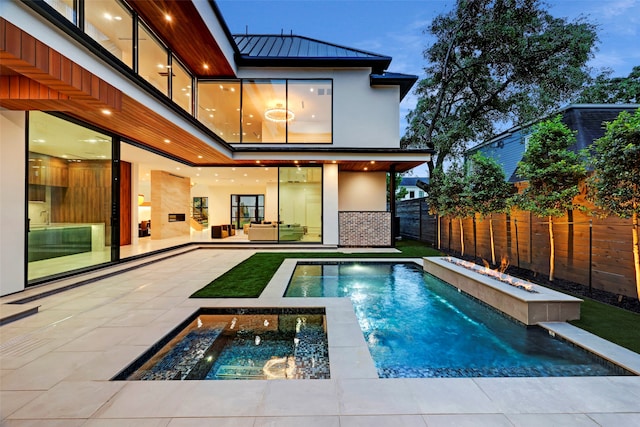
<point>515,223</point>
<point>475,240</point>
<point>590,251</point>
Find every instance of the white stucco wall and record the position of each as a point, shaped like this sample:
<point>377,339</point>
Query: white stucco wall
<point>12,201</point>
<point>363,116</point>
<point>330,204</point>
<point>362,191</point>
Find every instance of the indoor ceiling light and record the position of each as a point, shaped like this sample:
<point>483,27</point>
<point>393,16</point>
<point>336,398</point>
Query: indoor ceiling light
<point>279,114</point>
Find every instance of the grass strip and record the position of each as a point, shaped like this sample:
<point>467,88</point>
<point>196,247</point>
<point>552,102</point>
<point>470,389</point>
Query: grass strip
<point>249,278</point>
<point>611,323</point>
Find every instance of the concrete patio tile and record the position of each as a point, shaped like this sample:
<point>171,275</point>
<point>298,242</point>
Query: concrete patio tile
<point>382,421</point>
<point>321,421</point>
<point>149,399</point>
<point>299,397</point>
<point>14,400</point>
<point>101,339</point>
<point>468,420</point>
<point>375,396</point>
<point>76,399</point>
<point>449,395</point>
<point>211,422</point>
<point>46,371</point>
<point>617,420</point>
<point>104,366</point>
<point>556,420</point>
<point>351,362</point>
<point>130,422</point>
<point>43,423</point>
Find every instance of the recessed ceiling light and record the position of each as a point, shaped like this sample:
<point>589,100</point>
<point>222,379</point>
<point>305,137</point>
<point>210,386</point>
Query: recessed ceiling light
<point>205,66</point>
<point>167,17</point>
<point>199,157</point>
<point>233,169</point>
<point>333,161</point>
<point>373,162</point>
<point>177,168</point>
<point>295,161</point>
<point>366,169</point>
<point>167,141</point>
<point>106,112</point>
<point>311,89</point>
<point>245,174</point>
<point>108,16</point>
<point>118,18</point>
<point>257,161</point>
<point>197,174</point>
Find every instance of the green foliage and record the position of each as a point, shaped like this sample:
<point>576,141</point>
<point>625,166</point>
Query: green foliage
<point>494,61</point>
<point>453,195</point>
<point>399,191</point>
<point>552,170</point>
<point>615,157</point>
<point>249,278</point>
<point>487,186</point>
<point>612,90</point>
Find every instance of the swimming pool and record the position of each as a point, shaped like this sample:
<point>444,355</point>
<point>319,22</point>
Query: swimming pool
<point>417,326</point>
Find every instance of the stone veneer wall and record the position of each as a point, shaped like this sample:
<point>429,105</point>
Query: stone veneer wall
<point>361,229</point>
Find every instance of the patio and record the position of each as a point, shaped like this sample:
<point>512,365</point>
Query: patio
<point>55,366</point>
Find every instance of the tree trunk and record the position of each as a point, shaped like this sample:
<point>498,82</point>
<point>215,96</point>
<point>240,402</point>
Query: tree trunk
<point>636,250</point>
<point>552,251</point>
<point>461,238</point>
<point>493,247</point>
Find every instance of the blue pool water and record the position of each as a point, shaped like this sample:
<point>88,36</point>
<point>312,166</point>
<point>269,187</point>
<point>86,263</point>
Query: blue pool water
<point>418,326</point>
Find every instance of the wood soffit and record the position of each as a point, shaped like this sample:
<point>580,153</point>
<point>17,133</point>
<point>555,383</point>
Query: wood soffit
<point>186,34</point>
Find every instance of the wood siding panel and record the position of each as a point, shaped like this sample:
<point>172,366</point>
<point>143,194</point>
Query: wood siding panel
<point>125,203</point>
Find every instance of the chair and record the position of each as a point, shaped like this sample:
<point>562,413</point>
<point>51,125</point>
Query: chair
<point>143,229</point>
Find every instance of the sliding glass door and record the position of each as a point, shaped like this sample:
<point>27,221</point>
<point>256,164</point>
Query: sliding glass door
<point>246,208</point>
<point>300,204</point>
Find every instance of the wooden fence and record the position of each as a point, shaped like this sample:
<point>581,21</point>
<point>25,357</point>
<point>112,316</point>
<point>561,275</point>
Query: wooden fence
<point>591,251</point>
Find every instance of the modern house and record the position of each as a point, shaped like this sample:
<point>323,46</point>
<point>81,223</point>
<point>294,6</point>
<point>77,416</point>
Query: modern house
<point>416,187</point>
<point>134,126</point>
<point>587,119</point>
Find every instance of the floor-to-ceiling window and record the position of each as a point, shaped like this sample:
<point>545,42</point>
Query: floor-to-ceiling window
<point>111,24</point>
<point>300,204</point>
<point>69,196</point>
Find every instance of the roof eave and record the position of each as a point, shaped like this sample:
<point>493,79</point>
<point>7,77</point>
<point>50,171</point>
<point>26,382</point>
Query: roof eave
<point>377,65</point>
<point>405,81</point>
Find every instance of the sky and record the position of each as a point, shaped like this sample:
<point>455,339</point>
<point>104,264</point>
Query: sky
<point>396,28</point>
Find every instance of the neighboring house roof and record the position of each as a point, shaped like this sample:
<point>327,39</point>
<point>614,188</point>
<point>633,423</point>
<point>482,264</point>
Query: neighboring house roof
<point>269,50</point>
<point>588,119</point>
<point>412,181</point>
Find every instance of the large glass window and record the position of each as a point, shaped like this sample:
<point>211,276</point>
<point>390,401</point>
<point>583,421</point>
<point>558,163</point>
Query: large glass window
<point>219,109</point>
<point>273,111</point>
<point>310,101</point>
<point>111,25</point>
<point>264,105</point>
<point>153,60</point>
<point>181,85</point>
<point>246,208</point>
<point>69,207</point>
<point>65,8</point>
<point>300,204</point>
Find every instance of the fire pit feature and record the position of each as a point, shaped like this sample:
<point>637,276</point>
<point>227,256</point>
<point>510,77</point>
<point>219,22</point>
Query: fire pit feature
<point>496,274</point>
<point>526,302</point>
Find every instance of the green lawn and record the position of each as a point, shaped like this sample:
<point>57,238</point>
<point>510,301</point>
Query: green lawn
<point>249,278</point>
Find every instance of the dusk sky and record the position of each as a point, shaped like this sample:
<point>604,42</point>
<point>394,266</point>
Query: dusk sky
<point>396,28</point>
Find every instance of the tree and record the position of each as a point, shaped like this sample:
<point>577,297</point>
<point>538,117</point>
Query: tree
<point>453,197</point>
<point>606,90</point>
<point>554,174</point>
<point>616,179</point>
<point>489,191</point>
<point>434,197</point>
<point>399,191</point>
<point>494,62</point>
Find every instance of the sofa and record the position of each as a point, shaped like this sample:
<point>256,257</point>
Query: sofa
<point>263,232</point>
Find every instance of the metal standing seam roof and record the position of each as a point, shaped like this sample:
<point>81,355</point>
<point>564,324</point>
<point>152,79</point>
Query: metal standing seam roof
<point>292,50</point>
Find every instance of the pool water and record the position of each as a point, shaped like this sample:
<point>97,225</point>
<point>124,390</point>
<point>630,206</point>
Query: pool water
<point>417,326</point>
<point>239,344</point>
